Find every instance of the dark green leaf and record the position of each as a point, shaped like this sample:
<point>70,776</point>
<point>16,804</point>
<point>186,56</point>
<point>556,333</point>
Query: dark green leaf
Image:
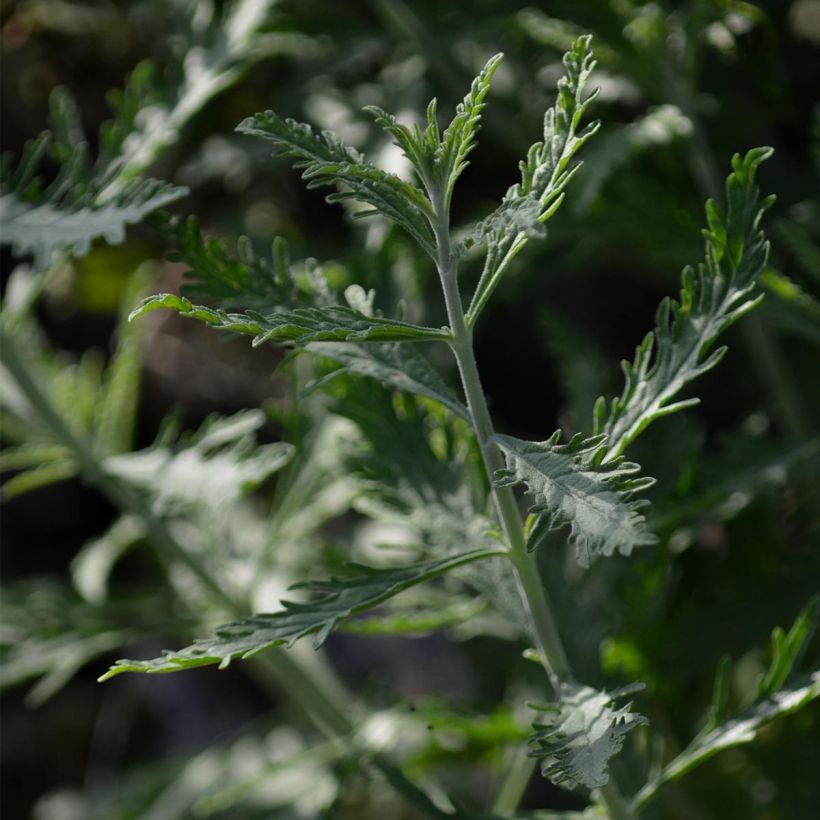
<point>326,160</point>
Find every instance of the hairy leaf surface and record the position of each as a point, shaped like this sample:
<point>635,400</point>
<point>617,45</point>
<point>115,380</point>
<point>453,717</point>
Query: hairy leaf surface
<point>341,599</point>
<point>440,159</point>
<point>572,485</point>
<point>326,160</point>
<point>545,174</point>
<point>241,278</point>
<point>714,295</point>
<point>401,366</point>
<point>580,733</point>
<point>298,326</point>
<point>87,200</point>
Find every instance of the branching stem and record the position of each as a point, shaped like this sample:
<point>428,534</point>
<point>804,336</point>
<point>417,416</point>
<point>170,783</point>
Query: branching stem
<point>528,579</point>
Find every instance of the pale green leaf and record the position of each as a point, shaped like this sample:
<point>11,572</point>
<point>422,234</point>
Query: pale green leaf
<point>116,414</point>
<point>572,485</point>
<point>440,159</point>
<point>87,201</point>
<point>740,729</point>
<point>459,136</point>
<point>212,469</point>
<point>713,296</point>
<point>400,366</point>
<point>221,42</point>
<point>545,174</point>
<point>92,565</point>
<point>341,599</point>
<point>579,734</point>
<point>774,700</point>
<point>34,478</point>
<point>298,326</point>
<point>326,160</point>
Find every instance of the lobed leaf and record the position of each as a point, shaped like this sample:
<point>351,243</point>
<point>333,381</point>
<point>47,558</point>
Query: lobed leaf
<point>572,485</point>
<point>400,366</point>
<point>545,173</point>
<point>87,201</point>
<point>774,700</point>
<point>213,468</point>
<point>714,295</point>
<point>581,733</point>
<point>325,160</point>
<point>440,159</point>
<point>341,599</point>
<point>240,278</point>
<point>299,326</point>
<point>69,222</point>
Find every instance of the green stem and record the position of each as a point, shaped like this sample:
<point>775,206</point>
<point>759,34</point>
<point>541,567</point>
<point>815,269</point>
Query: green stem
<point>532,591</point>
<point>514,784</point>
<point>528,579</point>
<point>321,696</point>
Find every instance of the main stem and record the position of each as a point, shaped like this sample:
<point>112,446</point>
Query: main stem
<point>528,579</point>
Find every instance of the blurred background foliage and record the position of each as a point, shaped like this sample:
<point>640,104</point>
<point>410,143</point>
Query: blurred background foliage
<point>683,87</point>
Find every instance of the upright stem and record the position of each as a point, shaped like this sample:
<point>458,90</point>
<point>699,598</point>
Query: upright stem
<point>530,586</point>
<point>532,591</point>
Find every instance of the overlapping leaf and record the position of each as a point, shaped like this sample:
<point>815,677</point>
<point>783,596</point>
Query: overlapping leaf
<point>572,485</point>
<point>581,732</point>
<point>241,278</point>
<point>341,599</point>
<point>544,175</point>
<point>714,295</point>
<point>401,366</point>
<point>211,469</point>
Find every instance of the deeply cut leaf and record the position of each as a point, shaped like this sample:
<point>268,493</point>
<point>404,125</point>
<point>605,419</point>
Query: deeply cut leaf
<point>572,485</point>
<point>401,366</point>
<point>87,201</point>
<point>326,160</point>
<point>579,734</point>
<point>544,175</point>
<point>341,599</point>
<point>212,469</point>
<point>714,295</point>
<point>240,279</point>
<point>439,160</point>
<point>298,326</point>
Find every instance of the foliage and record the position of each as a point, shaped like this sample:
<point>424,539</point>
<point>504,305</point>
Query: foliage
<point>353,440</point>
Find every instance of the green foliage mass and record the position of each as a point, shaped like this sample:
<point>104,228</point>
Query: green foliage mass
<point>372,459</point>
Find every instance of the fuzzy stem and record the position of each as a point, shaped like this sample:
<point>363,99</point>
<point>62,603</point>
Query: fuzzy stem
<point>528,579</point>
